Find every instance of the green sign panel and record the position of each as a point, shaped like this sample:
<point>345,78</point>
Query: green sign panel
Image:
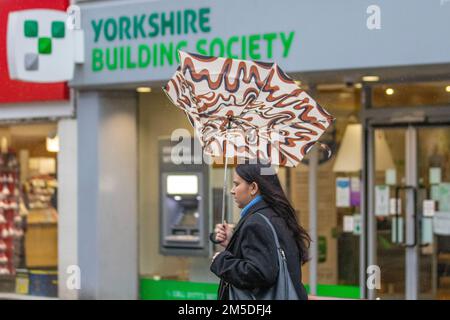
<point>135,42</point>
<point>184,290</point>
<point>176,290</point>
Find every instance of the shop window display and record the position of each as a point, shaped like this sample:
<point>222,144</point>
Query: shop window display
<point>11,231</point>
<point>28,211</point>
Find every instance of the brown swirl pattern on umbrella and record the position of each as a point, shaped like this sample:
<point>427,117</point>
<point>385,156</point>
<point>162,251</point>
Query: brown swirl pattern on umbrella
<point>247,109</point>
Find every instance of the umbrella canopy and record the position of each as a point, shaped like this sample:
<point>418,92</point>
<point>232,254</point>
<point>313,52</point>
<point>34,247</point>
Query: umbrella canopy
<point>247,109</point>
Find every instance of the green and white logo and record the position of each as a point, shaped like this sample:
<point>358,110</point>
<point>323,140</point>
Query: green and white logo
<point>40,46</point>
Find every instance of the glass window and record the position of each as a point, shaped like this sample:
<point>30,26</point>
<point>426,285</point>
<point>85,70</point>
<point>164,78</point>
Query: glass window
<point>338,212</point>
<point>28,209</point>
<point>411,94</point>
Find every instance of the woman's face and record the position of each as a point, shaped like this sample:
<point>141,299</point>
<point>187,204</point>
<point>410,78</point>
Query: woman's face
<point>242,191</point>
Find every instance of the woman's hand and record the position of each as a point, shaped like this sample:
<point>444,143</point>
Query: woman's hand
<point>223,231</point>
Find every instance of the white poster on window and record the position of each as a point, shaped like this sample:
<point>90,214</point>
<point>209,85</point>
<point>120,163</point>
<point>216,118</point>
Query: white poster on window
<point>342,192</point>
<point>348,224</point>
<point>444,197</point>
<point>441,223</point>
<point>428,208</point>
<point>391,177</point>
<point>435,175</point>
<point>381,200</point>
<point>435,192</point>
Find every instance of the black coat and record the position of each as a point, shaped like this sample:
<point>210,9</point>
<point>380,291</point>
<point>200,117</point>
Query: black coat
<point>250,260</point>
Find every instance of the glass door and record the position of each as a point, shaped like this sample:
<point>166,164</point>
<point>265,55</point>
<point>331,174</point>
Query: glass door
<point>409,211</point>
<point>434,179</point>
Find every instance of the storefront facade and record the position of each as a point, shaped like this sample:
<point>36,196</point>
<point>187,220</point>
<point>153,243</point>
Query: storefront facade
<point>122,117</point>
<point>38,170</point>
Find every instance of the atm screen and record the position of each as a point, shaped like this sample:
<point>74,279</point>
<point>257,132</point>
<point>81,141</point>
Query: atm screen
<point>182,184</point>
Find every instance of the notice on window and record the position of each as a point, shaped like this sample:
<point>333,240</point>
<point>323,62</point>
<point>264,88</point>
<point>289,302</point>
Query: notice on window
<point>428,208</point>
<point>381,200</point>
<point>435,192</point>
<point>441,223</point>
<point>391,177</point>
<point>348,224</point>
<point>435,175</point>
<point>342,192</point>
<point>444,197</point>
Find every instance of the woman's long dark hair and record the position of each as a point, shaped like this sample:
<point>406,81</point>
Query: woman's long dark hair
<point>272,192</point>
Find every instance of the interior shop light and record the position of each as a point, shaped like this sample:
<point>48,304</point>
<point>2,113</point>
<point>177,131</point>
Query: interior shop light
<point>348,158</point>
<point>390,91</point>
<point>447,88</point>
<point>4,145</point>
<point>371,78</point>
<point>358,85</point>
<point>144,89</point>
<point>53,143</point>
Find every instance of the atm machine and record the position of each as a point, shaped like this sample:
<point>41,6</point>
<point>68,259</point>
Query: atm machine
<point>184,204</point>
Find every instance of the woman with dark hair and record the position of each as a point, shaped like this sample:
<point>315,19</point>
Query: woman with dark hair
<point>250,260</point>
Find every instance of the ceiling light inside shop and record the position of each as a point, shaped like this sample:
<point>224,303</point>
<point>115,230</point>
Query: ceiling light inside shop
<point>4,145</point>
<point>371,78</point>
<point>53,144</point>
<point>144,89</point>
<point>447,88</point>
<point>389,91</point>
<point>358,85</point>
<point>298,82</point>
<point>351,145</point>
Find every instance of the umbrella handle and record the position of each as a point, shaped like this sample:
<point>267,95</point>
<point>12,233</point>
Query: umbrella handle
<point>211,235</point>
<point>212,238</point>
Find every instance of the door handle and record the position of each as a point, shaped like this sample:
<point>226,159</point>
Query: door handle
<point>397,215</point>
<point>415,216</point>
<point>417,225</point>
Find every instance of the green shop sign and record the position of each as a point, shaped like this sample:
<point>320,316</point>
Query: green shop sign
<point>136,41</point>
<point>151,289</point>
<point>144,41</point>
<point>176,290</point>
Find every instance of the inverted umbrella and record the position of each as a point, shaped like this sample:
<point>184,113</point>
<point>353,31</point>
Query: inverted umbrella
<point>246,109</point>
